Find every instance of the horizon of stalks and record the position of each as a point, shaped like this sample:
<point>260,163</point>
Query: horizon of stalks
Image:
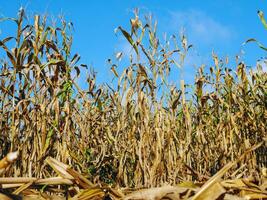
<point>140,132</point>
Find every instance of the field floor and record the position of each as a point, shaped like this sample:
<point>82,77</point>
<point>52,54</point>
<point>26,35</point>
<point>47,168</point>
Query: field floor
<point>70,184</point>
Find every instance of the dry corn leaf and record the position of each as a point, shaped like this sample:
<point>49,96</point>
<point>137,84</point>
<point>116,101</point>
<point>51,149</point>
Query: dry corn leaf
<point>59,167</point>
<point>236,183</point>
<point>13,180</point>
<point>232,197</point>
<point>80,179</point>
<point>23,187</point>
<point>89,194</point>
<point>5,197</point>
<point>214,191</point>
<point>213,180</point>
<point>252,195</point>
<point>188,184</point>
<point>7,160</point>
<point>157,193</point>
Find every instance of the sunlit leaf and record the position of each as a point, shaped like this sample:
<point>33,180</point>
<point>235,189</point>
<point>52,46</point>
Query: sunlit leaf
<point>261,16</point>
<point>129,38</point>
<point>114,70</point>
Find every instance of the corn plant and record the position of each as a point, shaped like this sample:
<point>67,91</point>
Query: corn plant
<point>139,131</point>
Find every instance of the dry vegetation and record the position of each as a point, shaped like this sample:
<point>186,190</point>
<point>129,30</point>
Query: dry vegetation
<point>141,131</point>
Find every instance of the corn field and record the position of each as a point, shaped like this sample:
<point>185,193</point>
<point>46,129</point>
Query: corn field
<point>140,130</point>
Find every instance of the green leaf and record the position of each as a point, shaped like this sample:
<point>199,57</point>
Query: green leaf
<point>8,18</point>
<point>261,16</point>
<point>258,43</point>
<point>52,62</point>
<point>129,38</point>
<point>262,47</point>
<point>250,40</point>
<point>48,139</point>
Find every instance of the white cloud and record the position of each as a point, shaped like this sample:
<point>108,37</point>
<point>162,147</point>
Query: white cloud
<point>201,27</point>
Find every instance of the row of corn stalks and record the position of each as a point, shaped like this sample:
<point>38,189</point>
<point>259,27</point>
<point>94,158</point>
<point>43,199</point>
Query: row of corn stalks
<point>140,130</point>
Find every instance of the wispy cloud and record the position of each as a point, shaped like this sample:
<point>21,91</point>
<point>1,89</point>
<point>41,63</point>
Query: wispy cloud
<point>201,27</point>
<point>261,66</point>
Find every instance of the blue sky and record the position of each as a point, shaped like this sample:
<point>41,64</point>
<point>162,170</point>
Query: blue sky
<point>221,25</point>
